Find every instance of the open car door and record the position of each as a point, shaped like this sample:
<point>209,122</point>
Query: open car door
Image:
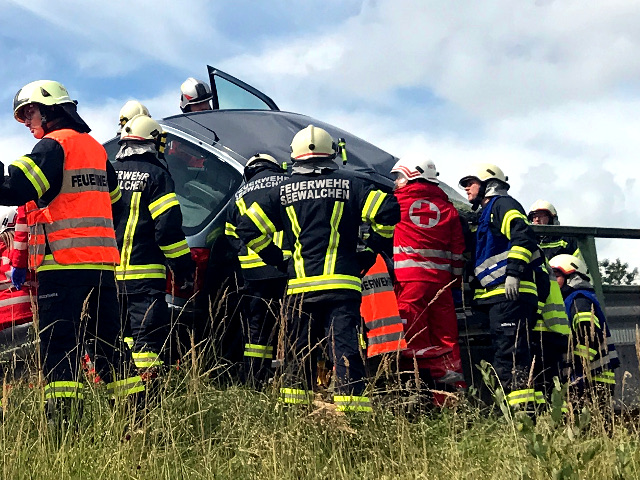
<point>231,93</point>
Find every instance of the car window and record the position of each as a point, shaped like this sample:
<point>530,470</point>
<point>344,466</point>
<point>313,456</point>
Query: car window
<point>232,97</point>
<point>204,183</point>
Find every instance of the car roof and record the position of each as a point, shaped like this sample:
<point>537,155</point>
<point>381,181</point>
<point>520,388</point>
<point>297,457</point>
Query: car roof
<point>247,132</point>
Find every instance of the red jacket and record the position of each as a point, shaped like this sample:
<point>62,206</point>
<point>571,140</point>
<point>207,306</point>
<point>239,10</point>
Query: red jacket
<point>428,242</point>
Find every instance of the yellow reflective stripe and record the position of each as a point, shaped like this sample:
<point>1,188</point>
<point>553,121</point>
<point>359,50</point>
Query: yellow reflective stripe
<point>517,397</point>
<point>260,243</point>
<point>230,230</point>
<point>33,173</point>
<point>146,359</point>
<point>260,219</point>
<point>605,377</point>
<point>525,287</point>
<point>163,204</point>
<point>129,229</point>
<point>176,250</point>
<point>128,386</point>
<point>296,396</point>
<point>585,352</point>
<point>559,243</point>
<point>115,194</point>
<point>139,272</point>
<point>278,238</point>
<point>242,207</point>
<point>251,261</point>
<point>258,351</point>
<point>352,403</point>
<point>385,231</point>
<point>334,239</point>
<point>324,282</point>
<point>298,261</point>
<point>585,317</point>
<point>49,264</point>
<point>511,215</point>
<point>371,205</point>
<point>520,253</point>
<point>64,389</point>
<point>128,341</point>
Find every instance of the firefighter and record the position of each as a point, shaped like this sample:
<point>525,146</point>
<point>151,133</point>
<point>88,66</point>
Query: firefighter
<point>428,245</point>
<point>544,213</point>
<point>594,357</point>
<point>505,257</point>
<point>320,210</point>
<point>195,96</point>
<point>150,236</point>
<point>264,285</point>
<point>129,110</point>
<point>69,187</point>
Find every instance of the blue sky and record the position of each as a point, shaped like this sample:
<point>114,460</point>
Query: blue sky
<point>548,90</point>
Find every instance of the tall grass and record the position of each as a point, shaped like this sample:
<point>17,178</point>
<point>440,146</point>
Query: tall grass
<point>200,430</point>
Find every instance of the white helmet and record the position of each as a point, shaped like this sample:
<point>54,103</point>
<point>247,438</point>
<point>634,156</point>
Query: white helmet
<point>539,205</point>
<point>143,129</point>
<point>8,217</point>
<point>193,91</point>
<point>416,166</point>
<point>261,157</point>
<point>312,143</point>
<point>44,92</point>
<point>484,172</point>
<point>130,110</point>
<point>569,264</point>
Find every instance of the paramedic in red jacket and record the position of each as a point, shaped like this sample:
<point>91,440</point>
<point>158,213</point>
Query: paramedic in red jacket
<point>428,244</point>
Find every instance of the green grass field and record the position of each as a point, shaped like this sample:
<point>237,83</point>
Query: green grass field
<point>203,431</point>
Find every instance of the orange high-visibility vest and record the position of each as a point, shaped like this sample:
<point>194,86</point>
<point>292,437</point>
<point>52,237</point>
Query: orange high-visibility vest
<point>385,332</point>
<point>77,224</point>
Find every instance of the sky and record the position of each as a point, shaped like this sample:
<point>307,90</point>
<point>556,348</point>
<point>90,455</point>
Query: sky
<point>547,90</point>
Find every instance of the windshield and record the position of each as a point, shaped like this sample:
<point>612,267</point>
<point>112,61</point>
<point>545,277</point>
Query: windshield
<point>204,183</point>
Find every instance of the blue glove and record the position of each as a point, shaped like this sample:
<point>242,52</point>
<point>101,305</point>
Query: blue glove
<point>18,277</point>
<point>457,296</point>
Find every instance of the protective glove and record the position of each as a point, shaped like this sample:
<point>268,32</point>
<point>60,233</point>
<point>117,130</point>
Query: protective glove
<point>457,297</point>
<point>366,259</point>
<point>18,277</point>
<point>512,287</point>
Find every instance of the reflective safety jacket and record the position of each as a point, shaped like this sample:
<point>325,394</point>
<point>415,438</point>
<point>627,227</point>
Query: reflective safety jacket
<point>15,305</point>
<point>595,355</point>
<point>149,233</point>
<point>76,226</point>
<point>428,242</point>
<point>253,267</point>
<point>552,246</point>
<point>552,316</point>
<point>379,308</point>
<point>320,214</point>
<point>505,246</point>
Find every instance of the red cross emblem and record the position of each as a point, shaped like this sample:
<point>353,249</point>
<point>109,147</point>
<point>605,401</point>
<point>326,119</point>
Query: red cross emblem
<point>424,213</point>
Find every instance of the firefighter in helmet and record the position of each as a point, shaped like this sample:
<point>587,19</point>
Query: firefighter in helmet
<point>129,110</point>
<point>594,357</point>
<point>195,96</point>
<point>320,209</point>
<point>505,257</point>
<point>544,213</point>
<point>69,187</point>
<point>264,285</point>
<point>150,238</point>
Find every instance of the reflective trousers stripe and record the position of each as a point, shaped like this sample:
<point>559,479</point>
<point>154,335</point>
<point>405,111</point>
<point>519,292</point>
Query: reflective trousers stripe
<point>528,395</point>
<point>64,389</point>
<point>352,403</point>
<point>126,387</point>
<point>296,396</point>
<point>324,282</point>
<point>147,359</point>
<point>258,351</point>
